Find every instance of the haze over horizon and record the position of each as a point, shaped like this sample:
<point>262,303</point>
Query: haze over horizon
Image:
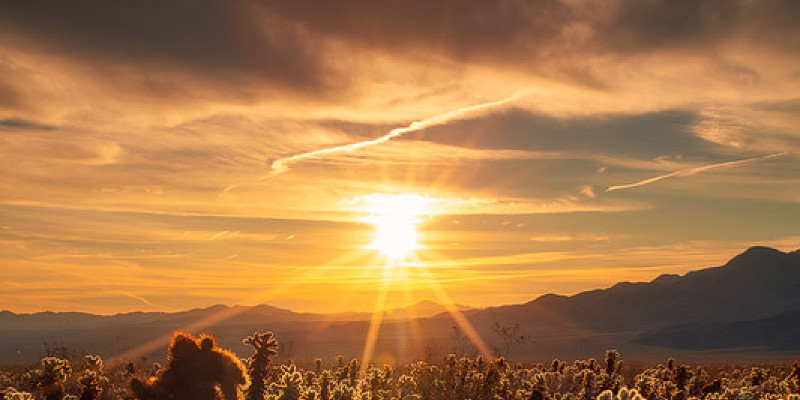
<point>176,155</point>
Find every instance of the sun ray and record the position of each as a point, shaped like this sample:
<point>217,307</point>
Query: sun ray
<point>459,318</point>
<point>346,293</point>
<point>412,321</point>
<point>377,317</point>
<point>227,313</point>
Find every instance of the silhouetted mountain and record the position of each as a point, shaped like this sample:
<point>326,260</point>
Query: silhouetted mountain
<point>759,283</point>
<point>48,320</point>
<point>66,320</point>
<point>752,303</point>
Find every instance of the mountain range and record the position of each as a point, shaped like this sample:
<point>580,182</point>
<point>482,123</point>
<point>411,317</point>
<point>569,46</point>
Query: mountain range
<point>234,315</point>
<point>759,283</point>
<point>750,305</point>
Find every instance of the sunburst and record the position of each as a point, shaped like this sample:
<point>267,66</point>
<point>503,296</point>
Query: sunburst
<point>396,219</point>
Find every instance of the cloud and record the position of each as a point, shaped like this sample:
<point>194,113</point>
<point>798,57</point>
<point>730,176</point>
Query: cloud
<point>218,40</point>
<point>383,58</point>
<point>701,25</point>
<point>287,43</point>
<point>640,135</point>
<point>694,170</point>
<point>282,165</point>
<point>565,40</point>
<point>22,124</point>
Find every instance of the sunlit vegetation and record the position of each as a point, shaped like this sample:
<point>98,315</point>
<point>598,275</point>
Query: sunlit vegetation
<point>196,369</point>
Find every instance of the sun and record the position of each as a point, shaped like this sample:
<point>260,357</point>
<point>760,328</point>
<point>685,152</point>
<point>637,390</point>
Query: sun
<point>395,236</point>
<point>395,218</point>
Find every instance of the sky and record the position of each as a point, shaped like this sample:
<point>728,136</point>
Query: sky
<point>162,156</point>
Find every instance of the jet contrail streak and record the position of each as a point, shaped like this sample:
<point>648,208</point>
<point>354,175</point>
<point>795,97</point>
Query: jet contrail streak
<point>281,165</point>
<point>692,171</point>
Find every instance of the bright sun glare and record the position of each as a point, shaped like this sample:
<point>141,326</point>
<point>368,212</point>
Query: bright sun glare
<point>395,218</point>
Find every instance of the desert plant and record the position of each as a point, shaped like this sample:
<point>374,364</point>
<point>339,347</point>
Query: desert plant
<point>196,370</point>
<point>92,381</point>
<point>510,336</point>
<point>13,394</point>
<point>290,386</point>
<point>265,346</point>
<point>51,377</point>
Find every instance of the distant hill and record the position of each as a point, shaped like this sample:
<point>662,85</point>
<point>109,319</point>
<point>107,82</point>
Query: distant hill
<point>750,306</point>
<point>759,283</point>
<point>231,315</point>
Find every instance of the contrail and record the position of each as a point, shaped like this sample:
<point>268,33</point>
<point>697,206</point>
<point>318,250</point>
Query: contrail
<point>143,300</point>
<point>695,170</point>
<point>281,165</point>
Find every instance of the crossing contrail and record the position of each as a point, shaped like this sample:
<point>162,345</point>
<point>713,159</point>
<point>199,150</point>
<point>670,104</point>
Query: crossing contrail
<point>694,170</point>
<point>281,165</point>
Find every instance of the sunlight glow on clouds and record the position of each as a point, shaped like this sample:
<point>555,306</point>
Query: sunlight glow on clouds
<point>122,124</point>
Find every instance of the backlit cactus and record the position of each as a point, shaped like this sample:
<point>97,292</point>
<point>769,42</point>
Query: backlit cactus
<point>198,370</point>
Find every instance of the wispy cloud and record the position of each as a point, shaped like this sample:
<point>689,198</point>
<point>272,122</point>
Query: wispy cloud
<point>282,165</point>
<point>144,300</point>
<point>694,170</point>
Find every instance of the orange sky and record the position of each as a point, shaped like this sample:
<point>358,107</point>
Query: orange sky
<point>168,156</point>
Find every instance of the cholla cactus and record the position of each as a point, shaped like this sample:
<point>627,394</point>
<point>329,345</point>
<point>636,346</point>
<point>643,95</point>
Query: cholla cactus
<point>379,380</point>
<point>318,366</point>
<point>538,387</point>
<point>92,379</point>
<point>92,388</point>
<point>352,371</point>
<point>309,394</point>
<point>757,376</point>
<point>714,387</point>
<point>291,383</point>
<point>407,388</point>
<point>557,365</point>
<point>681,377</point>
<point>490,384</point>
<point>13,394</point>
<point>344,392</point>
<point>325,385</point>
<point>197,370</point>
<point>622,394</point>
<point>130,369</point>
<point>612,358</point>
<point>792,381</point>
<point>51,377</point>
<point>265,346</point>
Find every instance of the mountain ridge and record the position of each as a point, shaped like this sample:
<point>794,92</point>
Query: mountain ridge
<point>746,299</point>
<point>420,309</point>
<point>723,293</point>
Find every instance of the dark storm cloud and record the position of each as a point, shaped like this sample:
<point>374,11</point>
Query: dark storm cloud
<point>220,39</point>
<point>641,136</point>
